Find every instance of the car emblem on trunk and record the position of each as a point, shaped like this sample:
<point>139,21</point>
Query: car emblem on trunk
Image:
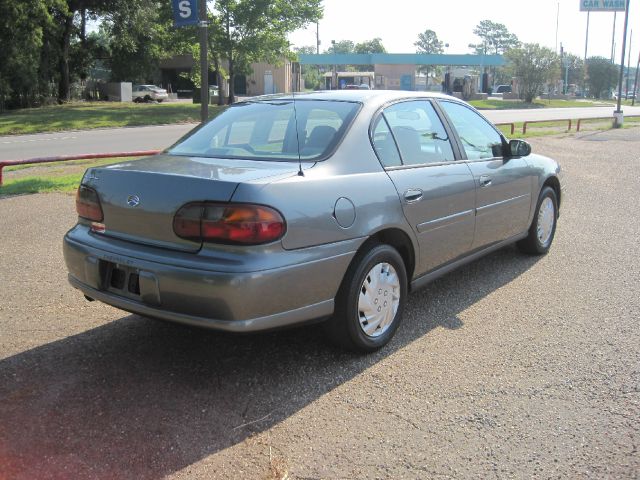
<point>133,200</point>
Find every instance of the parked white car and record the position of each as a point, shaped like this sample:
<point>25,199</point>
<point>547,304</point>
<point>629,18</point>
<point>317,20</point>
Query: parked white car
<point>147,93</point>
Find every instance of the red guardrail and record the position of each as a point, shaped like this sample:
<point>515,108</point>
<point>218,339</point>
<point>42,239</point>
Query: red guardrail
<point>63,158</point>
<point>512,125</point>
<point>600,118</point>
<point>524,125</point>
<point>580,120</point>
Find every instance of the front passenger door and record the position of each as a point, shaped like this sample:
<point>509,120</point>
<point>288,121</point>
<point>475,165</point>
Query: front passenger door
<point>503,185</point>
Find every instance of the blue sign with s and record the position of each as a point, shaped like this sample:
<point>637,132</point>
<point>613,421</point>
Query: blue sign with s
<point>185,12</point>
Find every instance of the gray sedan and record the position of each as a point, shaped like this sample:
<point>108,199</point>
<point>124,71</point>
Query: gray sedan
<point>326,206</point>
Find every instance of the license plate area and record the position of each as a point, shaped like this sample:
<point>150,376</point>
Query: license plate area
<point>122,280</point>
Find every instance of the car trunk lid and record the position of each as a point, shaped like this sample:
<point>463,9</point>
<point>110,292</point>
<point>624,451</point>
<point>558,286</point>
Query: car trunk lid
<point>140,198</point>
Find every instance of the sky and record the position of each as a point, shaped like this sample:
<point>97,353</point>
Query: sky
<point>398,23</point>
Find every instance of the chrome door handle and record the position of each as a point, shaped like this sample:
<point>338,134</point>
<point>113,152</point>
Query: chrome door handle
<point>413,195</point>
<point>485,181</point>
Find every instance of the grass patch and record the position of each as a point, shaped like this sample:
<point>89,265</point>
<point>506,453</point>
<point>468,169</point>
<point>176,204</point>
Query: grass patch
<point>497,104</point>
<point>62,183</point>
<point>51,177</point>
<point>89,115</point>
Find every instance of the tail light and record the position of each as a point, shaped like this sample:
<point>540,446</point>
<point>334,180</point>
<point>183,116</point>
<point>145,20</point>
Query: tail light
<point>88,204</point>
<point>240,224</point>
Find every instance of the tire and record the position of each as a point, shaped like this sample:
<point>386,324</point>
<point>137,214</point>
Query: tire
<point>147,99</point>
<point>137,100</point>
<point>351,327</point>
<point>543,226</point>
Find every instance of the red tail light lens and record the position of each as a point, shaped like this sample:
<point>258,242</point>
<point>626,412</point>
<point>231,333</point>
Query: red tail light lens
<point>243,224</point>
<point>88,204</point>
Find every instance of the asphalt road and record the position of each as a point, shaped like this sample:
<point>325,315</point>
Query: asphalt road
<point>16,147</point>
<point>511,367</point>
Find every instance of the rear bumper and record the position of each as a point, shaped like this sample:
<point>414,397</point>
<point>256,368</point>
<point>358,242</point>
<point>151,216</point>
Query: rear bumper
<point>278,320</point>
<point>231,301</point>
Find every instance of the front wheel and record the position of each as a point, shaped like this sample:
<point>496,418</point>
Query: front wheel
<point>370,301</point>
<point>543,226</point>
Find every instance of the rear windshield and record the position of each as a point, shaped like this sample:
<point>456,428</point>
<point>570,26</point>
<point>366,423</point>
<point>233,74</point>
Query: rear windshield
<point>266,130</point>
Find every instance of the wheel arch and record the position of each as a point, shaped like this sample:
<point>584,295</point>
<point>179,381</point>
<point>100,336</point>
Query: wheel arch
<point>397,239</point>
<point>554,183</point>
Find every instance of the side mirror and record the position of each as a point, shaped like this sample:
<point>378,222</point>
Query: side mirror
<point>519,148</point>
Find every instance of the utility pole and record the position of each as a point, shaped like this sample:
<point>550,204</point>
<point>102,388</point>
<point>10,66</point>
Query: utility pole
<point>204,67</point>
<point>586,39</point>
<point>564,62</point>
<point>635,82</point>
<point>613,39</point>
<point>618,114</point>
<point>557,24</point>
<point>318,38</point>
<point>626,88</point>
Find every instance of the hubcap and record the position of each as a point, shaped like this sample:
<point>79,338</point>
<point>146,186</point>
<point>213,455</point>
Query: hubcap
<point>546,218</point>
<point>379,299</point>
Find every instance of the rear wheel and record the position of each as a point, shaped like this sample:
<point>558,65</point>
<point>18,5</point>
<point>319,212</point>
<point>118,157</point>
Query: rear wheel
<point>543,226</point>
<point>370,301</point>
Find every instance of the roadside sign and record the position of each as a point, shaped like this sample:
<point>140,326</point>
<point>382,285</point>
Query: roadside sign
<point>602,5</point>
<point>185,12</point>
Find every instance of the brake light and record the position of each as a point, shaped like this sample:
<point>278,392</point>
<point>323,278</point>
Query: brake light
<point>243,224</point>
<point>88,204</point>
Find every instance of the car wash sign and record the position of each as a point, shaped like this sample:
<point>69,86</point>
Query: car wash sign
<point>602,5</point>
<point>185,12</point>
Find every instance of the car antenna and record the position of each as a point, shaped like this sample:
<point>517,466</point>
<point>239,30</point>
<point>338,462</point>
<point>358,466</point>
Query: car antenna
<point>295,116</point>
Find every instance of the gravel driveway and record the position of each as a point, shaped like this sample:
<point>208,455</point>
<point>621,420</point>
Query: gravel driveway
<point>511,367</point>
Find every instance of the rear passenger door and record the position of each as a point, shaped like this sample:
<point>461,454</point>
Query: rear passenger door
<point>437,190</point>
<point>504,185</point>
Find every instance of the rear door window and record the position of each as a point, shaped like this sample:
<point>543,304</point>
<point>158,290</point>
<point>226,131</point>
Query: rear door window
<point>384,144</point>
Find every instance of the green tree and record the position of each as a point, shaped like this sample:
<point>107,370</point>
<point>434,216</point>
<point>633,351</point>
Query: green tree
<point>495,38</point>
<point>369,46</point>
<point>311,73</point>
<point>576,68</point>
<point>140,34</point>
<point>21,36</point>
<point>601,76</point>
<point>534,66</point>
<point>342,47</point>
<point>428,43</point>
<point>252,30</point>
<point>71,16</point>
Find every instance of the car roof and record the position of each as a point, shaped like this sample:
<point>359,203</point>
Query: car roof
<point>355,95</point>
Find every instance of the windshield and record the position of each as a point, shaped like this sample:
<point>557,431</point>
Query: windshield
<point>266,130</point>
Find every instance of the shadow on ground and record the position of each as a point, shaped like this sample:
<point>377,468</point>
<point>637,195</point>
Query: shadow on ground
<point>142,399</point>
